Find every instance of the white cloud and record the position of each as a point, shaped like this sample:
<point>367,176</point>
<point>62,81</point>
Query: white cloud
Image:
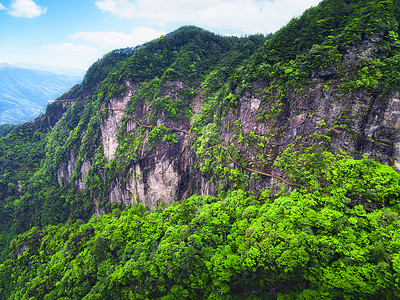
<point>249,16</point>
<point>26,9</point>
<point>112,40</point>
<point>2,6</point>
<point>121,8</point>
<point>69,48</point>
<point>69,55</point>
<point>82,56</point>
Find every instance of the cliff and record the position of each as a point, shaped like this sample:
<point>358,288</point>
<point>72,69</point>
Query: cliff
<point>201,166</point>
<point>196,113</point>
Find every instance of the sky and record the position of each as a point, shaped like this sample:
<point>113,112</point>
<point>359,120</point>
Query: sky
<point>73,34</point>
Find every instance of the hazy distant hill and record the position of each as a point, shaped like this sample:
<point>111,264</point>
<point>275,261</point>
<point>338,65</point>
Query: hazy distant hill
<point>24,93</point>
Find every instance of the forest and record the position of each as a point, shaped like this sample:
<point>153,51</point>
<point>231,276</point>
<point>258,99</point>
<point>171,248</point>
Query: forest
<point>283,149</point>
<point>302,245</point>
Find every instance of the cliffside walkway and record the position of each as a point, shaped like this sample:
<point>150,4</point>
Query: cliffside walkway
<point>66,100</point>
<point>150,126</point>
<point>219,145</point>
<point>215,146</point>
<point>231,158</point>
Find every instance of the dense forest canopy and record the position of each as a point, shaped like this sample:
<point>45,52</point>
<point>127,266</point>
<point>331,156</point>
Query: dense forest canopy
<point>5,129</point>
<point>293,213</point>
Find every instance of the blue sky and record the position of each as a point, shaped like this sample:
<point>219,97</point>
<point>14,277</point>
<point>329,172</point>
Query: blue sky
<point>75,33</point>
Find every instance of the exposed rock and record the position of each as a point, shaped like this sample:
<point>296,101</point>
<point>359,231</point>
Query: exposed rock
<point>112,125</point>
<point>163,174</point>
<point>137,184</point>
<point>119,193</point>
<point>84,172</point>
<point>248,112</point>
<point>319,114</point>
<point>65,169</point>
<point>162,183</point>
<point>381,137</point>
<point>325,73</point>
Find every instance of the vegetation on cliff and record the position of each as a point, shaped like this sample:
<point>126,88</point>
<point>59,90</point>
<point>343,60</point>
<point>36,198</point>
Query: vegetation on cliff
<point>222,113</point>
<point>305,245</point>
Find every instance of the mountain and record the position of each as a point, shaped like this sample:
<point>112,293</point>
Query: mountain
<point>24,93</point>
<point>199,166</point>
<point>5,129</point>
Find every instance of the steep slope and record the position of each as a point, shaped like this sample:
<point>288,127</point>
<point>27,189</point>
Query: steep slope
<point>91,164</point>
<point>337,89</point>
<point>24,93</point>
<point>5,129</point>
<point>288,132</point>
<point>178,117</point>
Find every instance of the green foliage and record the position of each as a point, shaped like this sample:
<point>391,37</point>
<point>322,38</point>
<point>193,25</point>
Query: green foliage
<point>5,129</point>
<point>101,69</point>
<point>161,133</point>
<point>175,109</point>
<point>365,180</point>
<point>188,54</point>
<point>42,165</point>
<point>322,56</point>
<point>146,91</point>
<point>233,246</point>
<point>344,22</point>
<point>127,152</point>
<point>170,138</point>
<point>357,181</point>
<point>20,155</point>
<point>315,43</point>
<point>317,244</point>
<point>232,100</point>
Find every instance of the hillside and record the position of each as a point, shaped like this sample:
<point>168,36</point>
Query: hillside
<point>200,166</point>
<point>24,93</point>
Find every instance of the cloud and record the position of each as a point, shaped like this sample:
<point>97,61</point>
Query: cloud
<point>68,47</point>
<point>2,6</point>
<point>82,56</point>
<point>112,40</point>
<point>248,16</point>
<point>26,9</point>
<point>120,8</point>
<point>69,55</point>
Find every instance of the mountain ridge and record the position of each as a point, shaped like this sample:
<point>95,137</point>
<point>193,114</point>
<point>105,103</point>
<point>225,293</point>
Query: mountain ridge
<point>24,93</point>
<point>162,151</point>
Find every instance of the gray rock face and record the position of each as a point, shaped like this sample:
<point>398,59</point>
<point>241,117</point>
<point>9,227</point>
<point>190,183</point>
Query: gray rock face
<point>163,174</point>
<point>381,138</point>
<point>112,125</point>
<point>84,172</point>
<point>361,123</point>
<point>65,169</point>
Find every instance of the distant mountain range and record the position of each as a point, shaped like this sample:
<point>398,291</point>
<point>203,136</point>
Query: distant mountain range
<point>24,93</point>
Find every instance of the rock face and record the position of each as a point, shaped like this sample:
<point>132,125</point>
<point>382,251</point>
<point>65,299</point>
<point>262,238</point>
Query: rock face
<point>162,174</point>
<point>65,169</point>
<point>380,138</point>
<point>358,123</point>
<point>260,127</point>
<point>84,172</point>
<point>112,125</point>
